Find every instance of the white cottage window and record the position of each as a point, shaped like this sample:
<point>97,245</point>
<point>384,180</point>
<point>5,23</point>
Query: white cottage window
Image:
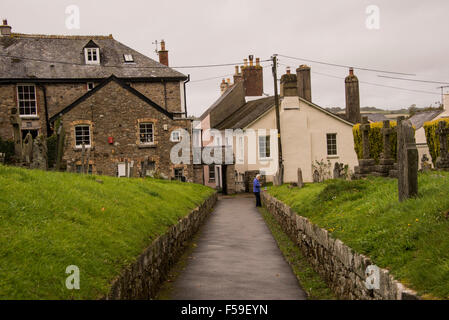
<point>26,98</point>
<point>82,136</point>
<point>92,55</point>
<point>331,144</point>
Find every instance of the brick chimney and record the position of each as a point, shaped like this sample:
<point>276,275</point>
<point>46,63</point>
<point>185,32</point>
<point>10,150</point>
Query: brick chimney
<point>237,75</point>
<point>252,77</point>
<point>289,87</point>
<point>5,30</point>
<point>304,82</point>
<point>352,98</point>
<point>163,54</point>
<point>224,85</point>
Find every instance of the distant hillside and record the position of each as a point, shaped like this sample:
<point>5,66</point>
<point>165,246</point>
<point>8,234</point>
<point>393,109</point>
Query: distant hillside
<point>411,110</point>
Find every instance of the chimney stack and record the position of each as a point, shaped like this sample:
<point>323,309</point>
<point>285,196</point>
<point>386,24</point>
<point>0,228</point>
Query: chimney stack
<point>352,97</point>
<point>224,85</point>
<point>238,75</point>
<point>289,85</point>
<point>252,77</point>
<point>5,30</point>
<point>304,82</point>
<point>163,54</point>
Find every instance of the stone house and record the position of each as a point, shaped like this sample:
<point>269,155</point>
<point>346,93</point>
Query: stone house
<point>309,133</point>
<point>122,105</point>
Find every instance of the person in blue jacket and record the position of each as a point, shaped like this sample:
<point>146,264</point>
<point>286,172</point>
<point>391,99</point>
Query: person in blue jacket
<point>256,190</point>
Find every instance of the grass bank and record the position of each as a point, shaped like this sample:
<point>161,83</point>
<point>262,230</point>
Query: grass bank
<point>49,221</point>
<point>411,239</point>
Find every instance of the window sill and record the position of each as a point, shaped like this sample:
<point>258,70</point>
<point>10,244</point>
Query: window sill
<point>76,148</point>
<point>266,159</point>
<point>29,117</point>
<point>146,146</point>
<point>333,157</point>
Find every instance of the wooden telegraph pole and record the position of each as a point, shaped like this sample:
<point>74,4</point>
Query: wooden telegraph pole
<point>280,173</point>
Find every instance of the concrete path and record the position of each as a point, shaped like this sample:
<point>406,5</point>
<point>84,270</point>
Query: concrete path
<point>236,258</point>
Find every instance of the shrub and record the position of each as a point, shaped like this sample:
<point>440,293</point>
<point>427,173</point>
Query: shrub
<point>433,142</point>
<point>375,140</point>
<point>7,147</point>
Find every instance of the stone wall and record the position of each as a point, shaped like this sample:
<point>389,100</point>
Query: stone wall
<point>342,268</point>
<point>142,279</point>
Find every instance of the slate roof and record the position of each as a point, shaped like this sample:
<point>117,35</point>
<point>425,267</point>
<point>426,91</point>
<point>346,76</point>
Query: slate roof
<point>68,51</point>
<point>375,117</point>
<point>101,85</point>
<point>247,113</point>
<point>420,118</point>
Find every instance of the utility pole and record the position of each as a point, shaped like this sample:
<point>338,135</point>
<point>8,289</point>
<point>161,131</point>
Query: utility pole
<point>280,172</point>
<point>442,93</point>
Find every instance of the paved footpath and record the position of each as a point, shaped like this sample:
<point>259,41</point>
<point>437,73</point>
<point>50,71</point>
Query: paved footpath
<point>236,258</point>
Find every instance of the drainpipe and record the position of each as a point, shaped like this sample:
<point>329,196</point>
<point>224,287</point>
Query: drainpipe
<point>47,123</point>
<point>185,95</point>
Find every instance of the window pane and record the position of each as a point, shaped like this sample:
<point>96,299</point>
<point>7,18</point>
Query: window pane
<point>146,132</point>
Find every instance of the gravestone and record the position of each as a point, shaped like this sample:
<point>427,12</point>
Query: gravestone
<point>425,163</point>
<point>39,153</point>
<point>386,161</point>
<point>300,180</point>
<point>442,161</point>
<point>2,158</point>
<point>27,149</point>
<point>16,123</point>
<point>316,176</point>
<point>367,165</point>
<point>407,161</point>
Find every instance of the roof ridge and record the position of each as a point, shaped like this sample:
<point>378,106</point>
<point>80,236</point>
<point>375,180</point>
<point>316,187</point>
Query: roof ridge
<point>54,36</point>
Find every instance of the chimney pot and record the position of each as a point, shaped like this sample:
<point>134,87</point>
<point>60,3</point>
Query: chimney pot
<point>288,70</point>
<point>5,22</point>
<point>245,62</point>
<point>236,70</point>
<point>257,62</point>
<point>351,71</point>
<point>5,30</point>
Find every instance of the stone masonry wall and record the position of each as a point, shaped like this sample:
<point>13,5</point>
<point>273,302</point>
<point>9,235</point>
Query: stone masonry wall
<point>142,279</point>
<point>342,268</point>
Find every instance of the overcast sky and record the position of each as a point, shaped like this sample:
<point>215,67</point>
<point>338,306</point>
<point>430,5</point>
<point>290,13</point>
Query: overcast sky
<point>412,38</point>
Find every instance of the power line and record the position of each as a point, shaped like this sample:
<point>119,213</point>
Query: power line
<point>415,80</point>
<point>346,66</point>
<point>380,85</point>
<point>223,76</point>
<point>127,66</point>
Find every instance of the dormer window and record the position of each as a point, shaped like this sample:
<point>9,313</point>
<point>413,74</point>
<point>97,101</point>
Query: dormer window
<point>92,53</point>
<point>128,58</point>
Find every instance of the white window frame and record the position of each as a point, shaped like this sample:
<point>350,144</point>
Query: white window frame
<point>327,145</point>
<point>128,58</point>
<point>263,147</point>
<point>173,137</point>
<point>140,133</point>
<point>35,115</point>
<point>80,146</point>
<point>91,51</point>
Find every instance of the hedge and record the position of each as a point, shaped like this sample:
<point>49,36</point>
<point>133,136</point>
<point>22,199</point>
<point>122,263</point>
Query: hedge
<point>375,140</point>
<point>433,141</point>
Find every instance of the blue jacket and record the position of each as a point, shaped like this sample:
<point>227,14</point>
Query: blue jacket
<point>256,185</point>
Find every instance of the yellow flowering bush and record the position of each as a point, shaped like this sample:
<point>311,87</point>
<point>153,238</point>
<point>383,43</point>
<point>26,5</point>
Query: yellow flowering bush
<point>433,141</point>
<point>375,140</point>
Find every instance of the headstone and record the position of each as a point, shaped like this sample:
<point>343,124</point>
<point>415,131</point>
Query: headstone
<point>300,180</point>
<point>60,147</point>
<point>386,163</point>
<point>425,163</point>
<point>407,161</point>
<point>337,170</point>
<point>2,158</point>
<point>442,161</point>
<point>16,123</point>
<point>366,164</point>
<point>39,153</point>
<point>27,149</point>
<point>316,176</point>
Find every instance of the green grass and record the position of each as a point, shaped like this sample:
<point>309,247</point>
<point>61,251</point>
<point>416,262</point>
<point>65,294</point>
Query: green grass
<point>310,281</point>
<point>411,239</point>
<point>49,221</point>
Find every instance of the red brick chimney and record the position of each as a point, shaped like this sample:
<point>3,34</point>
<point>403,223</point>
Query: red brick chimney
<point>5,30</point>
<point>237,75</point>
<point>252,77</point>
<point>163,54</point>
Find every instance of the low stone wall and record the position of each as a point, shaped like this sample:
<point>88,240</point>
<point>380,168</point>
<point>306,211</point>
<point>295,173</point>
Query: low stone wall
<point>341,267</point>
<point>142,279</point>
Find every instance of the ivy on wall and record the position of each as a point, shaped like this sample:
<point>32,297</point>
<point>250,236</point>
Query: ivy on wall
<point>433,141</point>
<point>375,140</point>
